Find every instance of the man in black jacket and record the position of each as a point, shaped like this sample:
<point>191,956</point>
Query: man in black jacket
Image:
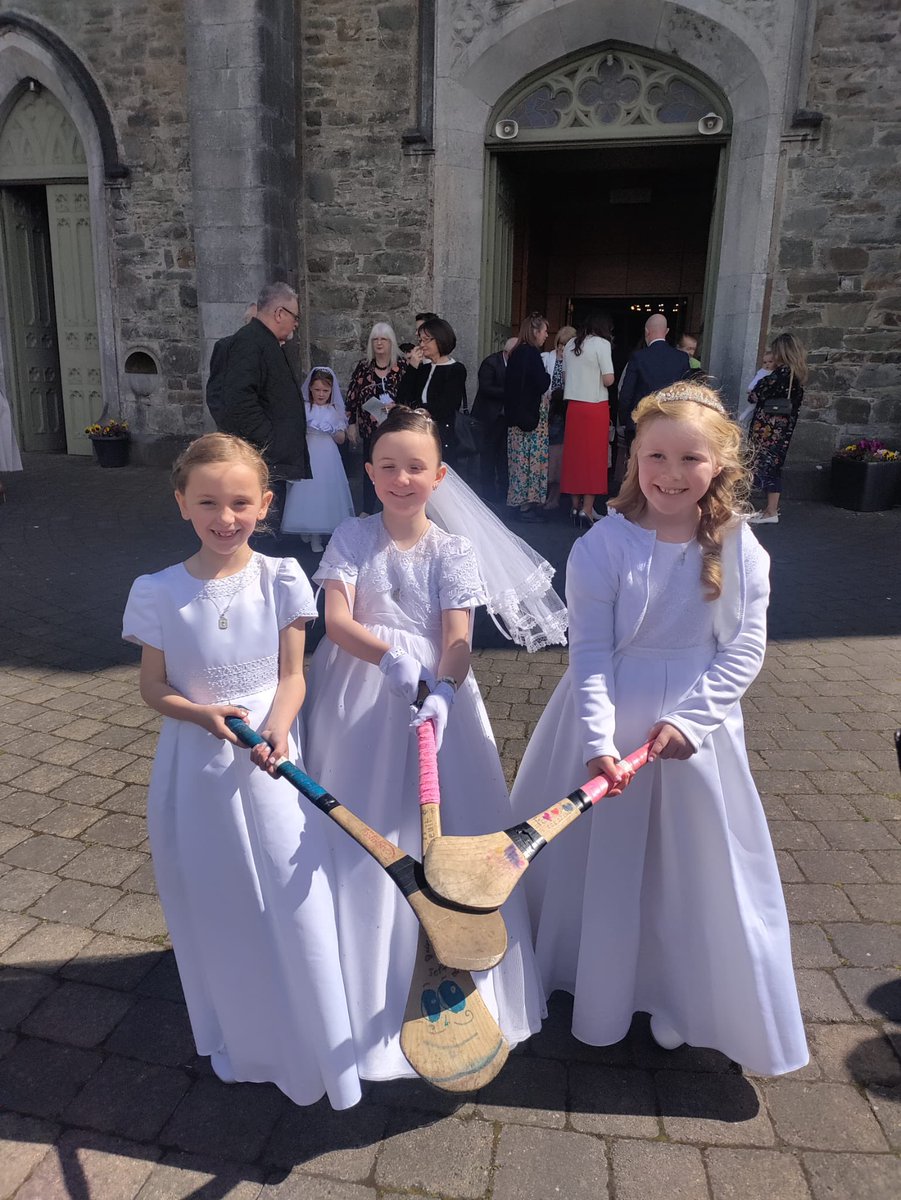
<point>488,408</point>
<point>257,394</point>
<point>652,367</point>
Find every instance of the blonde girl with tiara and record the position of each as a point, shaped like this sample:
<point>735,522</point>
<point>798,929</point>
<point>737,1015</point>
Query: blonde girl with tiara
<point>670,903</point>
<point>241,874</point>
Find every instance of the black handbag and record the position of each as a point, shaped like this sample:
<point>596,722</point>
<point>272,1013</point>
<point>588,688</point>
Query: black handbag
<point>468,432</point>
<point>779,406</point>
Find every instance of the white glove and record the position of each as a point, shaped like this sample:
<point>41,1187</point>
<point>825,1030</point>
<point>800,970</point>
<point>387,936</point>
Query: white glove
<point>403,673</point>
<point>436,707</point>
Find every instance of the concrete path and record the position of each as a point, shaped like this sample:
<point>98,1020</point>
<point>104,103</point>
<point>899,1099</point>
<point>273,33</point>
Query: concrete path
<point>101,1094</point>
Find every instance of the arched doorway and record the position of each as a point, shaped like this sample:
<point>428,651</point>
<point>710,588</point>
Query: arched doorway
<point>604,186</point>
<point>48,274</point>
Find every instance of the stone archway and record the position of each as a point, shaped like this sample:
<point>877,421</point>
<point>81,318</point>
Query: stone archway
<point>484,52</point>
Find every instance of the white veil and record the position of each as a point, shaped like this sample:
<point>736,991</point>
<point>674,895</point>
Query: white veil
<point>321,416</point>
<point>520,598</point>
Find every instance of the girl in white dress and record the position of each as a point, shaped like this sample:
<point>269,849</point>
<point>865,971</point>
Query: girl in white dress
<point>9,449</point>
<point>318,505</point>
<point>400,595</point>
<point>239,869</point>
<point>670,901</point>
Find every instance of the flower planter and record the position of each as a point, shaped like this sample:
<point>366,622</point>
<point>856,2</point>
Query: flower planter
<point>111,451</point>
<point>865,486</point>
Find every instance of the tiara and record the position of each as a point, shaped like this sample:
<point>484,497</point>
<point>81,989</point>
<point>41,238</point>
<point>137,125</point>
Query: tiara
<point>665,397</point>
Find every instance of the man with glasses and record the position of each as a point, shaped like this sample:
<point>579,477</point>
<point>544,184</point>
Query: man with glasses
<point>253,391</point>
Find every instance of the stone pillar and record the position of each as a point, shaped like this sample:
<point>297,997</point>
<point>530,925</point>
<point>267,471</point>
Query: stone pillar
<point>241,107</point>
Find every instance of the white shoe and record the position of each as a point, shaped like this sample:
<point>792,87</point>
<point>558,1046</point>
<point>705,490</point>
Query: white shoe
<point>761,518</point>
<point>222,1066</point>
<point>664,1035</point>
<point>316,544</point>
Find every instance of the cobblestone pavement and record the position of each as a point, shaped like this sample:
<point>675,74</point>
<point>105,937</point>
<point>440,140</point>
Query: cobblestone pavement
<point>102,1095</point>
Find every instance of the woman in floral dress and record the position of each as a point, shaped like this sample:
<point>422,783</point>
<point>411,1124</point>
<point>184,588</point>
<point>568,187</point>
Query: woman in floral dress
<point>527,453</point>
<point>771,432</point>
<point>377,375</point>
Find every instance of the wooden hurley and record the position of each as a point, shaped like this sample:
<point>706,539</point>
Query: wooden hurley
<point>470,940</point>
<point>482,871</point>
<point>449,1036</point>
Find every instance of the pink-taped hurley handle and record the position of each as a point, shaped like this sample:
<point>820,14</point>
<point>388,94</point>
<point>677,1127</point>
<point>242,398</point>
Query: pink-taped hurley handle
<point>428,764</point>
<point>598,787</point>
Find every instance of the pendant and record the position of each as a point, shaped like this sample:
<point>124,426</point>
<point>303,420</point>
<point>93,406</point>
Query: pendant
<point>223,622</point>
<point>395,595</point>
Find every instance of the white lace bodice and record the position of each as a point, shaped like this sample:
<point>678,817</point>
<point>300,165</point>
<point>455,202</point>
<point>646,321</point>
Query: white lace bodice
<point>677,616</point>
<point>406,589</point>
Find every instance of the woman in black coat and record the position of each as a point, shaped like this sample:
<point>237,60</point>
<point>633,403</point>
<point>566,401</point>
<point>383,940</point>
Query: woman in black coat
<point>436,381</point>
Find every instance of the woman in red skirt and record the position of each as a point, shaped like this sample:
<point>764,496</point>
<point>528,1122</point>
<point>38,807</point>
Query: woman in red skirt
<point>589,372</point>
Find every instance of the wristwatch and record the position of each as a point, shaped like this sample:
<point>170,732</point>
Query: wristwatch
<point>448,679</point>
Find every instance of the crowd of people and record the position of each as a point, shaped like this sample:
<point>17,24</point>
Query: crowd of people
<point>296,950</point>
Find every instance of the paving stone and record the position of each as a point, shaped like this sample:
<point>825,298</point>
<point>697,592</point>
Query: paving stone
<point>78,1015</point>
<point>42,779</point>
<point>47,948</point>
<point>68,821</point>
<point>874,1177</point>
<point>103,864</point>
<point>796,835</point>
<point>43,853</point>
<point>80,729</point>
<point>873,993</point>
<point>129,1098</point>
<point>823,1116</point>
<point>867,945</point>
<point>23,1143</point>
<point>187,1177</point>
<point>857,835</point>
<point>811,948</point>
<point>156,1031</point>
<point>887,864</point>
<point>163,982</point>
<point>143,880</point>
<point>64,753</point>
<point>817,807</point>
<point>11,835</point>
<point>136,916</point>
<point>429,1157</point>
<point>129,799</point>
<point>755,1175</point>
<point>137,772</point>
<point>657,1171</point>
<point>719,1110</point>
<point>538,1163</point>
<point>231,1121</point>
<point>612,1101</point>
<point>74,903</point>
<point>88,789</point>
<point>40,1078</point>
<point>821,999</point>
<point>106,1169</point>
<point>300,1186</point>
<point>106,762</point>
<point>21,991</point>
<point>527,1092</point>
<point>876,901</point>
<point>116,737</point>
<point>854,1054</point>
<point>19,889</point>
<point>24,808</point>
<point>817,902</point>
<point>834,866</point>
<point>113,962</point>
<point>14,766</point>
<point>886,1105</point>
<point>319,1139</point>
<point>12,927</point>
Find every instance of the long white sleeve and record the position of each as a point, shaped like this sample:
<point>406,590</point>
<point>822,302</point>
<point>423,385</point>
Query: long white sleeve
<point>591,590</point>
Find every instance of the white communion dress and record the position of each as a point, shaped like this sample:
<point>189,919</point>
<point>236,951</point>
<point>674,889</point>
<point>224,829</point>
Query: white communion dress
<point>9,448</point>
<point>666,899</point>
<point>321,503</point>
<point>358,745</point>
<point>242,870</point>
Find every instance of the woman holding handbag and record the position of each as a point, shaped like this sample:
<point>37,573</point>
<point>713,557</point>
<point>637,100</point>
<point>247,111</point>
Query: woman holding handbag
<point>526,384</point>
<point>777,402</point>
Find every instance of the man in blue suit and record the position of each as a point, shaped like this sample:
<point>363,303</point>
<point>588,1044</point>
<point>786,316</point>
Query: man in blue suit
<point>652,367</point>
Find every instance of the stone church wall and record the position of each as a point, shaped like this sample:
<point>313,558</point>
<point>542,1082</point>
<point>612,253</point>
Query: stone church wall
<point>837,283</point>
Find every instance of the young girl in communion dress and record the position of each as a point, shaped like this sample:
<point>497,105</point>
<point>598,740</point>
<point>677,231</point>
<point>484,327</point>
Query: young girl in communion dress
<point>243,877</point>
<point>317,506</point>
<point>670,901</point>
<point>400,595</point>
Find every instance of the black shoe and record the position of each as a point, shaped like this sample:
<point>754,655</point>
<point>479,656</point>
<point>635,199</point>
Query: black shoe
<point>532,516</point>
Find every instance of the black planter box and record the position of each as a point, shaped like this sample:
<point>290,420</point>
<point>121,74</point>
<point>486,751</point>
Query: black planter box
<point>865,486</point>
<point>111,452</point>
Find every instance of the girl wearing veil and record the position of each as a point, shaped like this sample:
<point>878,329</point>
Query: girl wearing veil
<point>317,506</point>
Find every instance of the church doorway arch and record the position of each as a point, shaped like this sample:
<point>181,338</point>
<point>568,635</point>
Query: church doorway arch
<point>48,274</point>
<point>605,178</point>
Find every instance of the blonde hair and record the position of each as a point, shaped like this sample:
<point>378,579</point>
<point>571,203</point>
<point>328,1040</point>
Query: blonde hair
<point>565,334</point>
<point>218,448</point>
<point>787,351</point>
<point>700,406</point>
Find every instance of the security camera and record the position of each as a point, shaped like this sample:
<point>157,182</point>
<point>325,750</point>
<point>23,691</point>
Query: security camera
<point>710,123</point>
<point>506,129</point>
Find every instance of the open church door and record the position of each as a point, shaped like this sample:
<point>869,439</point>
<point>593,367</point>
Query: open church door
<point>497,257</point>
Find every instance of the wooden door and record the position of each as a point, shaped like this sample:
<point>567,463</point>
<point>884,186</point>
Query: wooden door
<point>497,256</point>
<point>76,310</point>
<point>35,378</point>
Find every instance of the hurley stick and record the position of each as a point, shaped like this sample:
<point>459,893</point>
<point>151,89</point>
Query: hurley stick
<point>474,941</point>
<point>449,1037</point>
<point>482,871</point>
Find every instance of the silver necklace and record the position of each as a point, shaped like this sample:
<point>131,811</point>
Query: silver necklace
<point>685,550</point>
<point>242,578</point>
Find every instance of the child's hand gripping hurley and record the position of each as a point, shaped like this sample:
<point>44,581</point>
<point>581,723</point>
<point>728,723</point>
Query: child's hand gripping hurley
<point>472,941</point>
<point>482,871</point>
<point>449,1037</point>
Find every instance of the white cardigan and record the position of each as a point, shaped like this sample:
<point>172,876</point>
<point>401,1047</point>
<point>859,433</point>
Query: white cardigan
<point>607,593</point>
